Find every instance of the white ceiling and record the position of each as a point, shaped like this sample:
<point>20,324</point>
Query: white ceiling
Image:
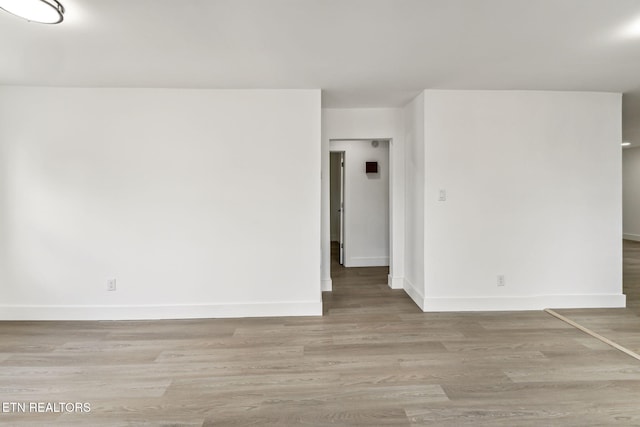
<point>362,53</point>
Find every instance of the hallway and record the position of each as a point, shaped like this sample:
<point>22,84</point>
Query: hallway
<point>362,290</point>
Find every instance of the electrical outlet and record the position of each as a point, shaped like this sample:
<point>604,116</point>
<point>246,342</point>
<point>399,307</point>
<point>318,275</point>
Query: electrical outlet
<point>442,196</point>
<point>501,280</point>
<point>111,284</point>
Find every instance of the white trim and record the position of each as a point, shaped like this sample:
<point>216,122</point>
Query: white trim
<point>153,312</point>
<point>634,237</point>
<point>327,285</point>
<point>395,282</point>
<point>382,261</point>
<point>414,293</point>
<point>535,302</point>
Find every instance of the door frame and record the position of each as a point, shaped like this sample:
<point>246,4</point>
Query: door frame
<point>341,242</point>
<point>341,209</point>
<point>396,209</point>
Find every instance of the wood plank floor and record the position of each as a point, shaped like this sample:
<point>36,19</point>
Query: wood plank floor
<point>621,325</point>
<point>374,359</point>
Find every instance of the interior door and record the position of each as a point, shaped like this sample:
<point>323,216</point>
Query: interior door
<point>342,208</point>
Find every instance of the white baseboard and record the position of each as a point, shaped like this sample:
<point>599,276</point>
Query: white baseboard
<point>326,285</point>
<point>382,261</point>
<point>395,282</point>
<point>153,312</point>
<point>414,293</point>
<point>538,302</point>
<point>634,237</point>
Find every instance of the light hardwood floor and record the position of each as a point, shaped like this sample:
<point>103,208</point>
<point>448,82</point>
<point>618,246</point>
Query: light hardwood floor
<point>374,359</point>
<point>621,325</point>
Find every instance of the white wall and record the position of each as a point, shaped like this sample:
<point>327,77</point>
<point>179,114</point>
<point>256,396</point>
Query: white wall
<point>631,193</point>
<point>335,197</point>
<point>533,181</point>
<point>413,114</point>
<point>181,195</point>
<point>630,122</point>
<point>366,203</point>
<point>367,123</point>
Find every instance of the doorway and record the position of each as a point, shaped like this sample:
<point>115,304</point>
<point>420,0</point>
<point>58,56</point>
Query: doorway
<point>336,204</point>
<point>359,227</point>
<point>359,202</point>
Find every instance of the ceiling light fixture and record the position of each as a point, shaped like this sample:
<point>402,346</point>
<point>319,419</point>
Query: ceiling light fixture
<point>626,144</point>
<point>42,11</point>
